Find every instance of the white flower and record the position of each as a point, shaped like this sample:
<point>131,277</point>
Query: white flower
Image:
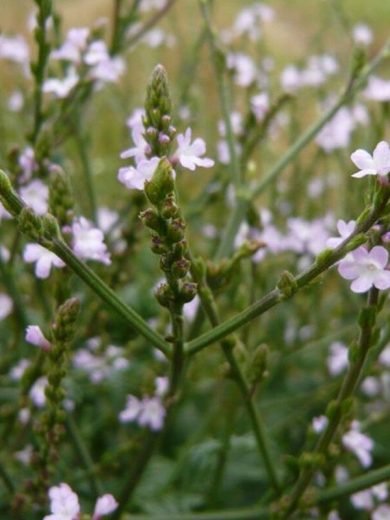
<point>27,162</point>
<point>16,101</point>
<point>376,164</point>
<point>132,409</point>
<point>378,89</point>
<point>366,269</point>
<point>260,105</point>
<point>362,34</point>
<point>14,48</point>
<point>61,88</point>
<point>381,513</point>
<point>88,242</point>
<point>75,43</point>
<point>64,503</point>
<point>338,359</point>
<point>105,505</point>
<point>36,195</point>
<point>319,423</point>
<point>359,444</point>
<point>6,306</point>
<point>291,78</point>
<point>35,336</point>
<point>245,68</point>
<point>141,146</point>
<point>37,392</point>
<point>134,178</point>
<point>345,229</point>
<point>152,413</point>
<point>190,154</point>
<point>44,259</point>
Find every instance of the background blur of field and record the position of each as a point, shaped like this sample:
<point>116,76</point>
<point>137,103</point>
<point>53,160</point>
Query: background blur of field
<point>300,27</point>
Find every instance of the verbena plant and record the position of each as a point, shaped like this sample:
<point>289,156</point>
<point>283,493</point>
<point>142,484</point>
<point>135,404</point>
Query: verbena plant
<point>188,347</point>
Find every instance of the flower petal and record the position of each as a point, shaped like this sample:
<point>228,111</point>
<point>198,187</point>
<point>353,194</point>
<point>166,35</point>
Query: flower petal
<point>363,160</point>
<point>382,280</point>
<point>361,284</point>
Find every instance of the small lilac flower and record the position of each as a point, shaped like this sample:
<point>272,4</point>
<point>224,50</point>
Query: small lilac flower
<point>64,503</point>
<point>377,164</point>
<point>61,88</point>
<point>362,35</point>
<point>378,89</point>
<point>381,513</point>
<point>244,67</point>
<point>291,79</point>
<point>28,162</point>
<point>105,505</point>
<point>260,105</point>
<point>140,148</point>
<point>134,178</point>
<point>37,392</point>
<point>162,385</point>
<point>338,359</point>
<point>359,444</point>
<point>136,119</point>
<point>35,336</point>
<point>6,306</point>
<point>132,409</point>
<point>152,413</point>
<point>74,44</point>
<point>88,242</point>
<point>190,155</point>
<point>366,269</point>
<point>44,259</point>
<point>384,357</point>
<point>36,195</point>
<point>319,423</point>
<point>16,373</point>
<point>345,229</point>
<point>14,48</point>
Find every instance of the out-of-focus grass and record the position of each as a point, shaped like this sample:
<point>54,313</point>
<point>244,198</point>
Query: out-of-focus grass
<point>301,27</point>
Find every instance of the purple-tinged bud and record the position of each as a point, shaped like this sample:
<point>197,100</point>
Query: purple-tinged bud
<point>151,132</point>
<point>158,246</point>
<point>175,232</point>
<point>180,267</point>
<point>169,209</point>
<point>188,292</point>
<point>164,295</point>
<point>151,219</point>
<point>163,138</point>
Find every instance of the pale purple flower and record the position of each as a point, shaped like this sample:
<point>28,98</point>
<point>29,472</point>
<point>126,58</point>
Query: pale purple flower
<point>88,242</point>
<point>337,360</point>
<point>37,392</point>
<point>157,37</point>
<point>359,444</point>
<point>135,177</point>
<point>149,5</point>
<point>337,132</point>
<point>371,386</point>
<point>35,336</point>
<point>107,218</point>
<point>64,503</point>
<point>61,88</point>
<point>260,105</point>
<point>25,455</point>
<point>362,34</point>
<point>236,124</point>
<point>291,79</point>
<point>224,152</point>
<point>73,46</point>
<point>319,423</point>
<point>36,194</point>
<point>245,68</point>
<point>105,505</point>
<point>376,164</point>
<point>161,385</point>
<point>132,409</point>
<point>384,357</point>
<point>141,146</point>
<point>382,512</point>
<point>6,306</point>
<point>345,229</point>
<point>152,413</point>
<point>16,373</point>
<point>44,259</point>
<point>14,48</point>
<point>136,119</point>
<point>366,269</point>
<point>16,101</point>
<point>109,70</point>
<point>363,500</point>
<point>190,154</point>
<point>27,162</point>
<point>378,89</point>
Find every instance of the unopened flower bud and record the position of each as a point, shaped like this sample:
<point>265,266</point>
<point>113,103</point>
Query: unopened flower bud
<point>175,230</point>
<point>65,323</point>
<point>287,284</point>
<point>158,247</point>
<point>151,219</point>
<point>164,295</point>
<point>180,267</point>
<point>30,224</point>
<point>188,292</point>
<point>169,208</point>
<point>10,200</point>
<point>163,138</point>
<point>162,183</point>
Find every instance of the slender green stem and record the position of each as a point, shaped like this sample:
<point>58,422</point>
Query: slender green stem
<point>223,93</point>
<point>347,389</point>
<point>276,296</point>
<point>7,480</point>
<point>108,295</point>
<point>346,96</point>
<point>82,144</point>
<point>39,68</point>
<point>85,457</point>
<point>210,308</point>
<point>178,352</point>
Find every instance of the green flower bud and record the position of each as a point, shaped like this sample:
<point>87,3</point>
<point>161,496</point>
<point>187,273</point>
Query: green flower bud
<point>187,292</point>
<point>287,284</point>
<point>152,220</point>
<point>61,200</point>
<point>180,268</point>
<point>158,247</point>
<point>175,230</point>
<point>164,295</point>
<point>169,208</point>
<point>30,224</point>
<point>162,183</point>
